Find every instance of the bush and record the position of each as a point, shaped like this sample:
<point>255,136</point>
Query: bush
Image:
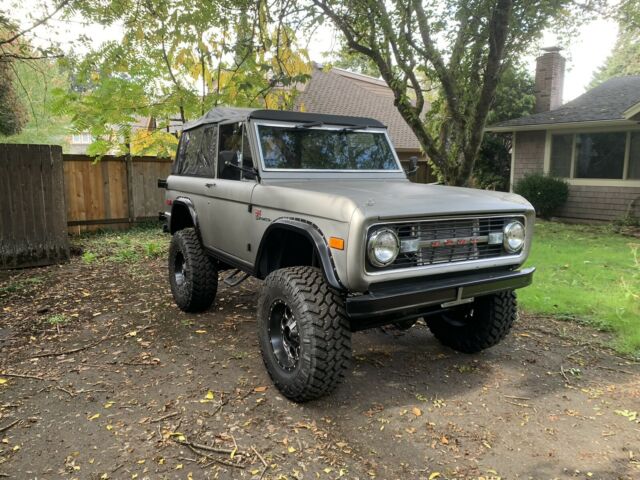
<point>545,193</point>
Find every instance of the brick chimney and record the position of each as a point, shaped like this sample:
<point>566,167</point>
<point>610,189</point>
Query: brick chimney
<point>549,79</point>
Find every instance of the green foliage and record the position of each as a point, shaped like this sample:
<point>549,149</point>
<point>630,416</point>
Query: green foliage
<point>89,257</point>
<point>625,57</point>
<point>20,285</point>
<point>58,319</point>
<point>126,255</point>
<point>177,60</point>
<point>13,116</point>
<point>457,48</point>
<point>589,274</point>
<point>354,62</point>
<point>514,98</point>
<point>153,249</point>
<point>545,193</point>
<point>143,242</point>
<point>34,81</point>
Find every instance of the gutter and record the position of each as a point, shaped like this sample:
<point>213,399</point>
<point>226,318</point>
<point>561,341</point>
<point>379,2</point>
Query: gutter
<point>561,126</point>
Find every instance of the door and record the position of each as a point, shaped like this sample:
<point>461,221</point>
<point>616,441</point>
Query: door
<point>230,194</point>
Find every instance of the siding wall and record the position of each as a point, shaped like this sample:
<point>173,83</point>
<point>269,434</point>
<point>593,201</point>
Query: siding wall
<point>529,153</point>
<point>600,203</point>
<point>585,203</point>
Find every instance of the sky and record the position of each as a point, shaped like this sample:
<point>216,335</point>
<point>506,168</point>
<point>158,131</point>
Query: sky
<point>585,54</point>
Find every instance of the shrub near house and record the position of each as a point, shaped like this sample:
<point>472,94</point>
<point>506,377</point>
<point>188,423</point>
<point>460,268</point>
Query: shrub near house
<point>547,194</point>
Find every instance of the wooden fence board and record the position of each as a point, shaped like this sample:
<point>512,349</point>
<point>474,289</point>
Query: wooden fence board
<point>34,225</point>
<point>107,194</point>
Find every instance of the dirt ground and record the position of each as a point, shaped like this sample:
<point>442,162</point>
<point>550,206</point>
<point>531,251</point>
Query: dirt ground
<point>102,377</point>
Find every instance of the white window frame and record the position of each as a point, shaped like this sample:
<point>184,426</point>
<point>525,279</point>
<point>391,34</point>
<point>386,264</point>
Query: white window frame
<point>596,182</point>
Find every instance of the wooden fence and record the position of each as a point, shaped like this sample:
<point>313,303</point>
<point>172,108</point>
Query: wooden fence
<point>114,192</point>
<point>33,223</point>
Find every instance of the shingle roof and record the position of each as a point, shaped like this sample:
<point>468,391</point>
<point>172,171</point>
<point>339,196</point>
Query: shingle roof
<point>606,102</point>
<point>339,92</point>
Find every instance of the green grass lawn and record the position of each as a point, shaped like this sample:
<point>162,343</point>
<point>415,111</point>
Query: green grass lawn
<point>589,274</point>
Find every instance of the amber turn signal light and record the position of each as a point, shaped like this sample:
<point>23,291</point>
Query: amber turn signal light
<point>337,243</point>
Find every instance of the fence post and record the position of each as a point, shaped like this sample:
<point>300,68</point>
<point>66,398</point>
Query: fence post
<point>129,172</point>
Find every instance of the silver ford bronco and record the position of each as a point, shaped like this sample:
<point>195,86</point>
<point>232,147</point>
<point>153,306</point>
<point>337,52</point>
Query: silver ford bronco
<point>320,209</point>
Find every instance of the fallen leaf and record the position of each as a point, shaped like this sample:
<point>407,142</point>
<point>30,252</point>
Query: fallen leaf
<point>444,440</point>
<point>3,381</point>
<point>208,397</point>
<point>93,417</point>
<point>109,404</point>
<point>291,450</point>
<point>434,475</point>
<point>416,411</point>
<point>260,389</point>
<point>200,332</point>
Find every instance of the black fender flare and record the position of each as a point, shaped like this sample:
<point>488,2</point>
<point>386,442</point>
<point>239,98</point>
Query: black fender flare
<point>311,232</point>
<point>186,202</point>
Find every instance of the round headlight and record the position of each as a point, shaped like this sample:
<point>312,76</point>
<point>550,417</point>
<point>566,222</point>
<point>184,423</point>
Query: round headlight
<point>513,237</point>
<point>383,247</point>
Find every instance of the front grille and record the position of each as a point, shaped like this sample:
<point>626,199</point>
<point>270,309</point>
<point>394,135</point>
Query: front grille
<point>448,240</point>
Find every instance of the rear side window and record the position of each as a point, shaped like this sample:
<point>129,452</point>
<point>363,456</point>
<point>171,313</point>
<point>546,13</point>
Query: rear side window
<point>196,153</point>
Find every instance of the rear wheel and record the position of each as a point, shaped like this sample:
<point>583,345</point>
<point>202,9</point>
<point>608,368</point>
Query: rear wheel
<point>477,326</point>
<point>304,334</point>
<point>192,273</point>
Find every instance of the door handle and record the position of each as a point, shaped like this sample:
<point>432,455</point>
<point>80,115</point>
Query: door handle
<point>209,185</point>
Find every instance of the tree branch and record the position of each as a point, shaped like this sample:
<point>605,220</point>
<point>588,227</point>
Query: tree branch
<point>36,24</point>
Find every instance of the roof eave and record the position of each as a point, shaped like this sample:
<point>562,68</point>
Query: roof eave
<point>559,126</point>
<point>632,111</point>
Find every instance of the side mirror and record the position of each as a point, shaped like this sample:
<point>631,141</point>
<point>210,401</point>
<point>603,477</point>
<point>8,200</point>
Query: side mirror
<point>413,165</point>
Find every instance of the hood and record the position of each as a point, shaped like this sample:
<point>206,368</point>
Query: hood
<point>386,199</point>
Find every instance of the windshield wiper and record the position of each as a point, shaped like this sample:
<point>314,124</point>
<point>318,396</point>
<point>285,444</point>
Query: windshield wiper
<point>353,127</point>
<point>309,125</point>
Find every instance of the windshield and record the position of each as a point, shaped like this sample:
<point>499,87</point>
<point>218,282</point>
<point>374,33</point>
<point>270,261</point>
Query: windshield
<point>324,149</point>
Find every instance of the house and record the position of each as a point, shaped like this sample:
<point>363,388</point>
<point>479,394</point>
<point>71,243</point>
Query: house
<point>339,92</point>
<point>593,142</point>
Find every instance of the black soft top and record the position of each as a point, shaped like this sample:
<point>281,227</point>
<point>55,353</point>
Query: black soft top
<point>233,115</point>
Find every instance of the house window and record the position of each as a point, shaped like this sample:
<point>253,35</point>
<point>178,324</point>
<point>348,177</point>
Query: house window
<point>597,155</point>
<point>561,151</point>
<point>634,156</point>
<point>600,155</point>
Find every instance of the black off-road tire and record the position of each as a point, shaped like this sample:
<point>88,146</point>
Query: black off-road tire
<point>475,327</point>
<point>194,288</point>
<point>322,330</point>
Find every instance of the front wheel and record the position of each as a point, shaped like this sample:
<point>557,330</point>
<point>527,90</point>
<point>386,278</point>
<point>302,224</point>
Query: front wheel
<point>192,273</point>
<point>304,333</point>
<point>477,326</point>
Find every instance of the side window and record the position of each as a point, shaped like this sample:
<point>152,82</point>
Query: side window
<point>207,152</point>
<point>230,151</point>
<point>247,157</point>
<point>196,153</point>
<point>182,147</point>
<point>190,163</point>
